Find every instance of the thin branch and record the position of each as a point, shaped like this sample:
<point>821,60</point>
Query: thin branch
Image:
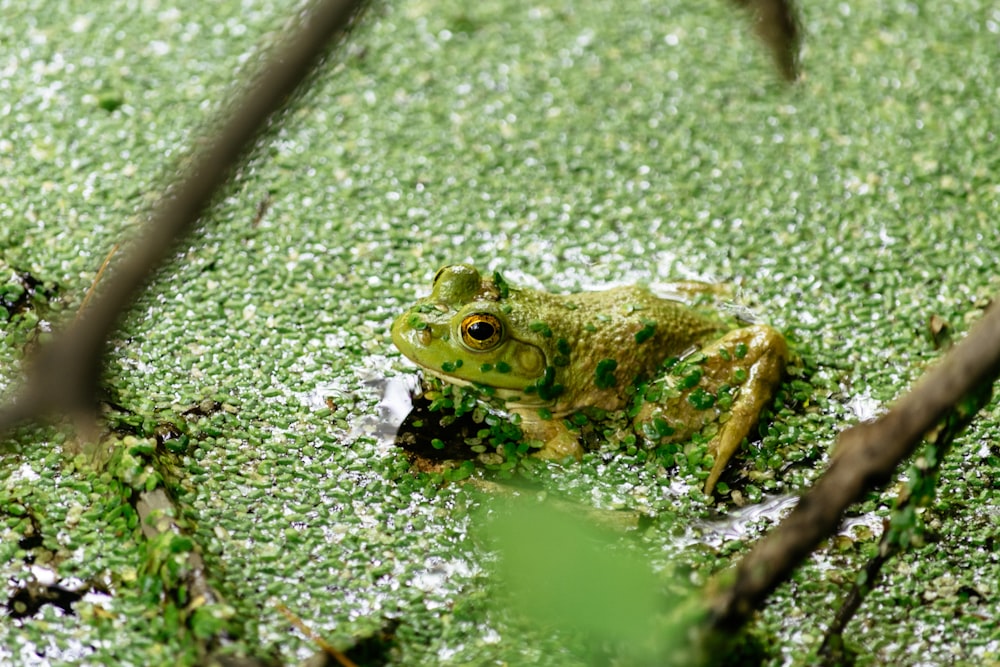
<point>777,25</point>
<point>865,458</point>
<point>63,377</point>
<point>327,648</point>
<point>97,279</point>
<point>906,528</point>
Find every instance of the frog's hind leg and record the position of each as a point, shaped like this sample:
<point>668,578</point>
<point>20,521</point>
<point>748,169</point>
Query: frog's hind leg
<point>765,359</point>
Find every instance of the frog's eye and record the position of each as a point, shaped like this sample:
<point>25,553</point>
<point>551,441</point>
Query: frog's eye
<point>481,331</point>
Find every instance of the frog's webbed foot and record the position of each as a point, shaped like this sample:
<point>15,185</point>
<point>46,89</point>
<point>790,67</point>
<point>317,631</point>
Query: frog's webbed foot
<point>764,362</point>
<point>559,441</point>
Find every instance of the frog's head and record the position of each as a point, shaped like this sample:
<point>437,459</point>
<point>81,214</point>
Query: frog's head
<point>468,331</point>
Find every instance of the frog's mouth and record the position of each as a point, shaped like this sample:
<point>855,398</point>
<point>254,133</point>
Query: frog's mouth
<point>507,399</point>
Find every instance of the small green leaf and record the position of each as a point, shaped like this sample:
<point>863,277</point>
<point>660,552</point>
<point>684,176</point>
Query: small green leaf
<point>701,399</point>
<point>604,373</point>
<point>541,327</point>
<point>645,333</point>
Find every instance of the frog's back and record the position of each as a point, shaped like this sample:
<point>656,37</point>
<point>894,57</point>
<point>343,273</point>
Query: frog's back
<point>613,337</point>
<point>633,316</point>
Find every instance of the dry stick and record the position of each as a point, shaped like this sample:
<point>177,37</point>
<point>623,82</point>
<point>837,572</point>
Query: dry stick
<point>776,23</point>
<point>924,480</point>
<point>327,648</point>
<point>64,376</point>
<point>157,515</point>
<point>97,279</point>
<point>865,458</point>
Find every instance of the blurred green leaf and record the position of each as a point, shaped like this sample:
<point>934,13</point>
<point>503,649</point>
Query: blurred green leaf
<point>564,572</point>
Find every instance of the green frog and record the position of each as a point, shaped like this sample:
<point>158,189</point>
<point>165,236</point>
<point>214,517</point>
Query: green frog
<point>677,370</point>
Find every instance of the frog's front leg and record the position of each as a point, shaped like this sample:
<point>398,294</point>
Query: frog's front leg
<point>760,354</point>
<point>559,442</point>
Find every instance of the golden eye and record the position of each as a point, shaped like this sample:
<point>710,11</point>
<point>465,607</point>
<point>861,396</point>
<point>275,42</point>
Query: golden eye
<point>481,331</point>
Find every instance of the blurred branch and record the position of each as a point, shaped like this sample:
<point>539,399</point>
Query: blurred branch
<point>776,23</point>
<point>865,458</point>
<point>63,376</point>
<point>906,528</point>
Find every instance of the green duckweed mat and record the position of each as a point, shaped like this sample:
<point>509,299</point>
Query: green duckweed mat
<point>570,145</point>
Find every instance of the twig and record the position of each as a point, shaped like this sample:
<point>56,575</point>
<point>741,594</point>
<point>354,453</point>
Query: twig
<point>865,458</point>
<point>97,279</point>
<point>776,23</point>
<point>64,374</point>
<point>905,528</point>
<point>327,648</point>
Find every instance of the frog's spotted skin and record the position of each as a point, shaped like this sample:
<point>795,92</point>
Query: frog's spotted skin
<point>548,356</point>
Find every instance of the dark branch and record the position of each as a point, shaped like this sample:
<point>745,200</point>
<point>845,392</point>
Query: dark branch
<point>919,491</point>
<point>776,23</point>
<point>63,377</point>
<point>865,458</point>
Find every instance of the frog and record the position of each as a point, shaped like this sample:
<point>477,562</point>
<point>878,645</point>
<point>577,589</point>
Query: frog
<point>677,369</point>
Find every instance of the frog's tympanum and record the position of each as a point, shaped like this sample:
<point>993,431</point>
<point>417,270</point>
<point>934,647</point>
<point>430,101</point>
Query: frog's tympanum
<point>676,370</point>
